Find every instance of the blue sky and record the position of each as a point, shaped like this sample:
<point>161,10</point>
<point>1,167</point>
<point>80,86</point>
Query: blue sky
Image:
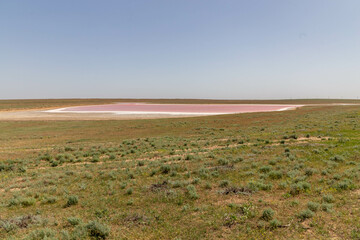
<point>227,49</point>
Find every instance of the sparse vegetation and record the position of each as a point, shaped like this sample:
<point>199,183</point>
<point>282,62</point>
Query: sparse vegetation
<point>236,176</point>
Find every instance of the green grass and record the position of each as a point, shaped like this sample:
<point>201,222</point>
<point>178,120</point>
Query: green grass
<point>276,175</point>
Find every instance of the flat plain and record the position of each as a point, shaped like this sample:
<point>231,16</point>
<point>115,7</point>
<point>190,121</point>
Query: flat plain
<point>274,175</point>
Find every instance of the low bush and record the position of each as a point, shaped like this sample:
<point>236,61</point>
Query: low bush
<point>275,223</point>
<point>326,207</point>
<point>275,175</point>
<point>305,214</point>
<point>97,230</point>
<point>267,214</point>
<point>191,191</point>
<point>328,198</point>
<point>72,200</point>
<point>313,206</point>
<point>224,183</point>
<point>164,169</point>
<point>41,234</point>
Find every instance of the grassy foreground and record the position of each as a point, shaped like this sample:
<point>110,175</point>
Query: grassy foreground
<point>279,175</point>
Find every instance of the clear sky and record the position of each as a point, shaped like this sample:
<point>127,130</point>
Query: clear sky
<point>228,49</point>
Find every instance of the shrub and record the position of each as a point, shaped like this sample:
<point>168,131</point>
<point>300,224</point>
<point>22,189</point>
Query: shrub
<point>69,149</point>
<point>295,189</point>
<point>345,185</point>
<point>326,207</point>
<point>8,226</point>
<point>22,169</point>
<point>223,162</point>
<point>328,198</point>
<point>13,202</point>
<point>49,200</point>
<point>293,136</point>
<point>337,158</point>
<point>255,186</point>
<point>129,191</point>
<point>208,186</point>
<point>41,234</point>
<point>237,160</point>
<point>97,230</point>
<point>294,203</point>
<point>309,171</point>
<point>272,162</point>
<point>72,200</point>
<point>123,185</point>
<point>25,202</point>
<point>131,176</point>
<point>74,221</point>
<point>152,173</point>
<point>275,223</point>
<point>95,159</point>
<point>275,175</point>
<point>164,169</point>
<point>191,191</point>
<point>54,163</point>
<point>313,206</point>
<point>267,214</point>
<point>305,214</point>
<point>224,183</point>
<point>265,169</point>
<point>195,181</point>
<point>80,232</point>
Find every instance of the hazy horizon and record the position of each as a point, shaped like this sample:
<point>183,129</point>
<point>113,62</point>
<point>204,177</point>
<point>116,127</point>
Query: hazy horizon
<point>180,49</point>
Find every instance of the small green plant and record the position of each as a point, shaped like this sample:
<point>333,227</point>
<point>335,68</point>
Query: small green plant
<point>41,234</point>
<point>72,200</point>
<point>326,207</point>
<point>294,203</point>
<point>299,187</point>
<point>337,158</point>
<point>313,206</point>
<point>224,183</point>
<point>275,223</point>
<point>95,159</point>
<point>223,162</point>
<point>265,169</point>
<point>123,185</point>
<point>97,230</point>
<point>267,214</point>
<point>191,191</point>
<point>328,198</point>
<point>74,221</point>
<point>8,226</point>
<point>129,191</point>
<point>309,171</point>
<point>305,214</point>
<point>275,175</point>
<point>26,202</point>
<point>208,185</point>
<point>165,169</point>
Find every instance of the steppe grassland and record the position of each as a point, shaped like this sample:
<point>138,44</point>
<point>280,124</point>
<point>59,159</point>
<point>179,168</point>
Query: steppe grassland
<point>292,174</point>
